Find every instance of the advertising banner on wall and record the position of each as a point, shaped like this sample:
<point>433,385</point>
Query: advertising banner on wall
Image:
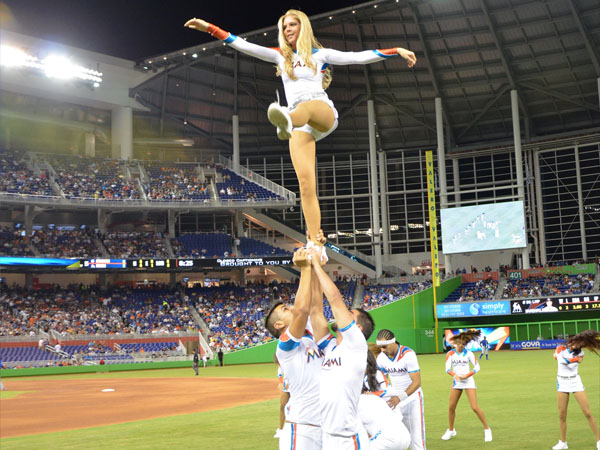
<point>547,344</point>
<point>496,337</point>
<point>473,309</point>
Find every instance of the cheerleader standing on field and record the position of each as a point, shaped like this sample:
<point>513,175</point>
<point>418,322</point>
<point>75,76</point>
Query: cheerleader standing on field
<point>303,65</point>
<point>568,357</point>
<point>458,366</point>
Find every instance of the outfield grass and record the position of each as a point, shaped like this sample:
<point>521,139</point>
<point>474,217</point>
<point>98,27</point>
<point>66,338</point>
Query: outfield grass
<point>517,392</point>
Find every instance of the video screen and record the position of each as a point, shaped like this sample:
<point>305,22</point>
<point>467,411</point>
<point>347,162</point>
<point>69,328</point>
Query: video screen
<point>495,226</point>
<point>496,336</point>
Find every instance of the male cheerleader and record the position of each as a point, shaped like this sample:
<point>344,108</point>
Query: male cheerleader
<point>401,365</point>
<point>300,357</point>
<point>343,369</point>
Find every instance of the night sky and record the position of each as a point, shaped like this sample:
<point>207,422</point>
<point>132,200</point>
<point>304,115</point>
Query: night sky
<point>135,29</point>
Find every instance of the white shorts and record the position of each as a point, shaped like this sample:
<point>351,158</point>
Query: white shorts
<point>413,417</point>
<point>469,383</point>
<point>572,384</point>
<point>359,441</point>
<point>300,436</point>
<point>318,135</point>
<point>400,440</point>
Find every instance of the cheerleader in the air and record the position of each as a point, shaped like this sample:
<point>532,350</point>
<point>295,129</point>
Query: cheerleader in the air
<point>303,65</point>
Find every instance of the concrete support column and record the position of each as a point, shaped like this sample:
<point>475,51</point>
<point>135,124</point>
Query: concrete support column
<point>90,145</point>
<point>29,216</point>
<point>384,203</point>
<point>172,280</point>
<point>580,205</point>
<point>171,219</point>
<point>540,209</point>
<point>122,132</point>
<point>103,218</point>
<point>236,143</point>
<point>29,281</point>
<point>514,102</point>
<point>456,178</point>
<point>441,156</point>
<point>102,281</point>
<point>374,191</point>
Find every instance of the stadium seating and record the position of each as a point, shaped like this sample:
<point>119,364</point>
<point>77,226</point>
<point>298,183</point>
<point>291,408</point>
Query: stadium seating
<point>175,182</point>
<point>65,244</point>
<point>254,247</point>
<point>17,178</point>
<point>557,284</point>
<point>234,187</point>
<point>202,245</point>
<point>379,295</point>
<point>135,244</point>
<point>80,177</point>
<point>473,292</point>
<point>13,243</point>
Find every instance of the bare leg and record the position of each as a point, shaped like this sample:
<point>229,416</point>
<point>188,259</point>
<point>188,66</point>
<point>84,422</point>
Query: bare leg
<point>563,403</point>
<point>316,113</point>
<point>302,151</point>
<point>584,403</point>
<point>472,396</point>
<point>454,397</point>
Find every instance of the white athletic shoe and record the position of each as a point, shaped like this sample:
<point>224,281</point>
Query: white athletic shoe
<point>598,445</point>
<point>560,446</point>
<point>448,434</point>
<point>280,117</point>
<point>324,257</point>
<point>488,435</point>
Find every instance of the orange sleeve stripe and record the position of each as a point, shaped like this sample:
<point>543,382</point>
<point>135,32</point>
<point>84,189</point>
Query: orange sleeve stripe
<point>217,32</point>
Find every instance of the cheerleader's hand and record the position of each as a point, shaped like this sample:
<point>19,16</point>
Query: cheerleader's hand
<point>197,24</point>
<point>458,378</point>
<point>408,56</point>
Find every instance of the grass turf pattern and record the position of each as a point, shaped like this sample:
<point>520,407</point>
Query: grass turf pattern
<point>516,390</point>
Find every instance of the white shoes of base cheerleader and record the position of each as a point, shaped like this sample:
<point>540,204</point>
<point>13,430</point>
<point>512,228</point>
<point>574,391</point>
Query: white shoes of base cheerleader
<point>561,446</point>
<point>280,117</point>
<point>598,445</point>
<point>448,435</point>
<point>487,435</point>
<point>319,247</point>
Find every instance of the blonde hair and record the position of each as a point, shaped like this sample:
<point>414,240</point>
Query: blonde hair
<point>304,47</point>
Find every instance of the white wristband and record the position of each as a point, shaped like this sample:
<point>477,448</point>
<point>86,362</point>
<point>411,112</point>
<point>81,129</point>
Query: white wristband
<point>402,395</point>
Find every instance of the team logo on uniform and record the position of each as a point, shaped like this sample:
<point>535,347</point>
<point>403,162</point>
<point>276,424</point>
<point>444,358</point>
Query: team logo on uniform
<point>329,362</point>
<point>397,370</point>
<point>313,353</point>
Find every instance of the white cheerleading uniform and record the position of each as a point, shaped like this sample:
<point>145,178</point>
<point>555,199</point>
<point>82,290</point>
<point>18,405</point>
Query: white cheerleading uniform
<point>460,364</point>
<point>300,360</point>
<point>399,369</point>
<point>567,378</point>
<point>342,372</point>
<point>384,426</point>
<point>308,84</point>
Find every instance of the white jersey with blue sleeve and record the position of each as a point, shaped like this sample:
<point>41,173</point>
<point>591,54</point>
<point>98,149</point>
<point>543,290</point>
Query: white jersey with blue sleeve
<point>399,369</point>
<point>300,360</point>
<point>342,373</point>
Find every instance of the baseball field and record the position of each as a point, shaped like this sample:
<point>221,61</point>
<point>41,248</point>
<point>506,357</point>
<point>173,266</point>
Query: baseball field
<point>236,407</point>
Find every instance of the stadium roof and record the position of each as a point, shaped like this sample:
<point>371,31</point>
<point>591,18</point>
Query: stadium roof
<point>471,54</point>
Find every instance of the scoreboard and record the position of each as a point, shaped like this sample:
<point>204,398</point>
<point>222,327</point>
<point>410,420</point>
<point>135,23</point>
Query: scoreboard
<point>140,264</point>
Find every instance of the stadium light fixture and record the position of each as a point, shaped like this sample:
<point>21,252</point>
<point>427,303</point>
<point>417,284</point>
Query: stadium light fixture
<point>53,66</point>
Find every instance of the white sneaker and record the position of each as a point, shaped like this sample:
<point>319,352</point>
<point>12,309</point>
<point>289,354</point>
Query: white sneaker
<point>280,117</point>
<point>560,446</point>
<point>448,434</point>
<point>488,435</point>
<point>598,445</point>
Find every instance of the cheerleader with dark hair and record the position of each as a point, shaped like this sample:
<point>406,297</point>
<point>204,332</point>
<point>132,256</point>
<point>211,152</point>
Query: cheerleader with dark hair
<point>569,356</point>
<point>458,365</point>
<point>383,424</point>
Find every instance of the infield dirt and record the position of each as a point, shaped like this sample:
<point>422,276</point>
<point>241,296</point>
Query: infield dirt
<point>58,405</point>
